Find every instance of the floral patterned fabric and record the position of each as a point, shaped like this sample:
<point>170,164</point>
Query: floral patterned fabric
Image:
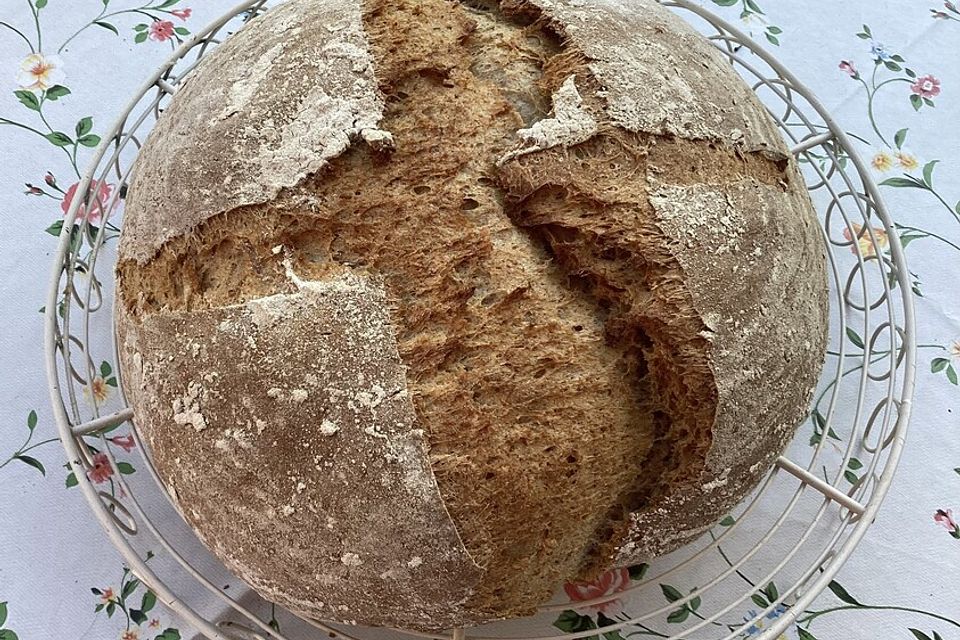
<point>886,70</point>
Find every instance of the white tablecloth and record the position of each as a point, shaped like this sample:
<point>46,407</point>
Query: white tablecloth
<point>56,566</point>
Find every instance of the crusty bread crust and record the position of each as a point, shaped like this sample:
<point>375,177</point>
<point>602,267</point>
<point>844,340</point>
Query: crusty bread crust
<point>749,249</point>
<point>519,291</point>
<point>269,107</point>
<point>285,432</point>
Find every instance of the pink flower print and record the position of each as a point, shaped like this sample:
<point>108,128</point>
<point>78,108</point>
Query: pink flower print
<point>847,67</point>
<point>943,15</point>
<point>107,596</point>
<point>102,470</point>
<point>183,14</point>
<point>926,87</point>
<point>95,211</point>
<point>610,582</point>
<point>161,30</point>
<point>945,519</point>
<point>867,247</point>
<point>124,442</point>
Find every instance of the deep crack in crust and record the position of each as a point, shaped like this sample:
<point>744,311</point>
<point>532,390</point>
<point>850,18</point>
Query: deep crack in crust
<point>554,352</point>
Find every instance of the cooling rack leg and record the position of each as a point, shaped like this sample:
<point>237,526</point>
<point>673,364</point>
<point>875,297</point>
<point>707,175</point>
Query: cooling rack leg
<point>823,487</point>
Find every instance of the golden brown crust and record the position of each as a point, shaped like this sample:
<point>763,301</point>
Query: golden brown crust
<point>313,91</point>
<point>494,341</point>
<point>746,273</point>
<point>740,246</point>
<point>586,308</point>
<point>296,454</point>
<point>659,76</point>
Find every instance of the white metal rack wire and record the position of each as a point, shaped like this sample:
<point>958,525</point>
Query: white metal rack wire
<point>793,534</point>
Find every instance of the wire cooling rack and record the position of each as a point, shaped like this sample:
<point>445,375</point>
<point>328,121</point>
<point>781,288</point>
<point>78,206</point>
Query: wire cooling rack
<point>753,574</point>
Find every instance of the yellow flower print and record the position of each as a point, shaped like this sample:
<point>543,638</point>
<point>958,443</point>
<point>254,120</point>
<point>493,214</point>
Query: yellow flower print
<point>906,160</point>
<point>882,161</point>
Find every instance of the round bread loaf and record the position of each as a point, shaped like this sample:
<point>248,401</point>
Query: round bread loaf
<point>426,306</point>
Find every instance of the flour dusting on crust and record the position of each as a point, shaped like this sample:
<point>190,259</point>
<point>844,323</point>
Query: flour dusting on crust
<point>345,447</point>
<point>657,74</point>
<point>571,124</point>
<point>328,97</point>
<point>186,408</point>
